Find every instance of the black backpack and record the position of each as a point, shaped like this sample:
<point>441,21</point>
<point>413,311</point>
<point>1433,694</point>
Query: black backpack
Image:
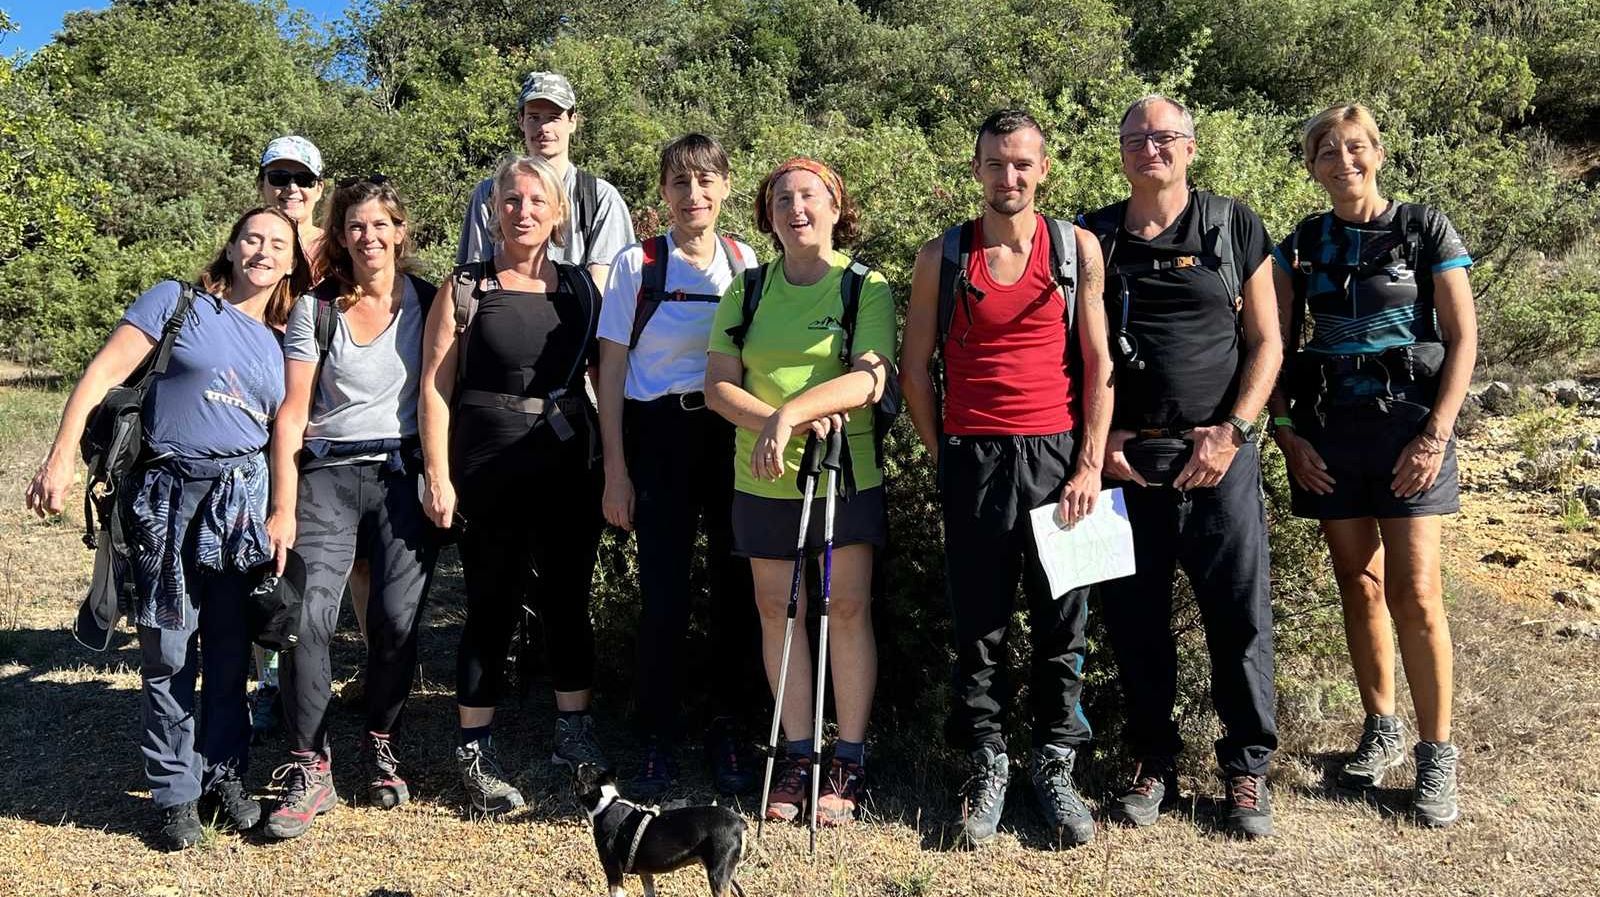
<point>889,404</point>
<point>112,444</point>
<point>1403,248</point>
<point>588,202</point>
<point>957,292</point>
<point>113,440</point>
<point>327,293</point>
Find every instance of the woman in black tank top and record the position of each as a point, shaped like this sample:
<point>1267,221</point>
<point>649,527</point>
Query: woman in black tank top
<point>511,452</point>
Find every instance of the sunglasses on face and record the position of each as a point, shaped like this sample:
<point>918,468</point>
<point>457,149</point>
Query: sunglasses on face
<point>282,177</point>
<point>374,179</point>
<point>1132,143</point>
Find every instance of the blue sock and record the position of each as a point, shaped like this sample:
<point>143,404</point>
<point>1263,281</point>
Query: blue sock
<point>850,751</point>
<point>469,734</point>
<point>800,747</point>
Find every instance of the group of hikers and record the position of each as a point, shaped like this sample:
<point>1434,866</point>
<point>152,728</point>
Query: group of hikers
<point>324,401</point>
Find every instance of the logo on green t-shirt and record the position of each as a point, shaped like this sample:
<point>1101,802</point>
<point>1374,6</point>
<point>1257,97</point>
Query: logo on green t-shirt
<point>827,322</point>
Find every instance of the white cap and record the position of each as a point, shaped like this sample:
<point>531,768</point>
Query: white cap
<point>295,149</point>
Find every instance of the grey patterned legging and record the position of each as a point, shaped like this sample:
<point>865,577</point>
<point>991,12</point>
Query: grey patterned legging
<point>340,507</point>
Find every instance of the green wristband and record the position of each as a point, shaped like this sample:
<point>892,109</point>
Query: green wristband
<point>1282,422</point>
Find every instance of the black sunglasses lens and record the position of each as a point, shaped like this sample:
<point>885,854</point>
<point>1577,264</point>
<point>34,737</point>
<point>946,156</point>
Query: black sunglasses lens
<point>374,179</point>
<point>278,177</point>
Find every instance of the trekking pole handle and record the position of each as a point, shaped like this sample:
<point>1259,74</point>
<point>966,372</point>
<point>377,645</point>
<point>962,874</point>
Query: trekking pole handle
<point>811,460</point>
<point>834,459</point>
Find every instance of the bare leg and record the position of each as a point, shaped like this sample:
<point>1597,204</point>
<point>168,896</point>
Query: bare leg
<point>1358,566</point>
<point>1415,589</point>
<point>853,654</point>
<point>772,581</point>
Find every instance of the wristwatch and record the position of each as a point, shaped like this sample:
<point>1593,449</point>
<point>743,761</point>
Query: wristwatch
<point>1247,429</point>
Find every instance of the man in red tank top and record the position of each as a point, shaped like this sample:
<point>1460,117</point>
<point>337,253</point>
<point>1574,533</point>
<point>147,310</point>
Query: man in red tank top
<point>1027,403</point>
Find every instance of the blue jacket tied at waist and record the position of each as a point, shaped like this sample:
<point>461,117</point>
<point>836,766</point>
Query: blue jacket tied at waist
<point>214,507</point>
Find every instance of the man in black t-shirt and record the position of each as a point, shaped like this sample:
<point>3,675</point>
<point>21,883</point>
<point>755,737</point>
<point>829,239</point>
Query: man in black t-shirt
<point>1194,327</point>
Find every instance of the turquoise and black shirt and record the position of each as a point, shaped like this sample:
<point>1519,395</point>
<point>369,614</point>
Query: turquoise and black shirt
<point>1366,292</point>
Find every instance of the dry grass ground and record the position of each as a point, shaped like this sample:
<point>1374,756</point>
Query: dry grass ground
<point>73,800</point>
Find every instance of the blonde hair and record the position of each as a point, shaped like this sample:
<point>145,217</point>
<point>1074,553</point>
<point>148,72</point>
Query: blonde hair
<point>506,173</point>
<point>1332,117</point>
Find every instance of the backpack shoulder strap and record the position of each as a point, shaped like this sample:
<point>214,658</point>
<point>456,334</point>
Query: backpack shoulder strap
<point>1064,263</point>
<point>588,206</point>
<point>1411,217</point>
<point>466,288</point>
<point>954,257</point>
<point>1216,224</point>
<point>169,330</point>
<point>576,280</point>
<point>735,257</point>
<point>426,290</point>
<point>652,283</point>
<point>1303,244</point>
<point>754,282</point>
<point>327,317</point>
<point>850,285</point>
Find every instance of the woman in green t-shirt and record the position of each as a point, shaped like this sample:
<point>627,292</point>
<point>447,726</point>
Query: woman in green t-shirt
<point>783,379</point>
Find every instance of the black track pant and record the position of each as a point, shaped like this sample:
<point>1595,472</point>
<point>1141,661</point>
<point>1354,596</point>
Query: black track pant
<point>549,558</point>
<point>681,464</point>
<point>344,511</point>
<point>1219,535</point>
<point>987,485</point>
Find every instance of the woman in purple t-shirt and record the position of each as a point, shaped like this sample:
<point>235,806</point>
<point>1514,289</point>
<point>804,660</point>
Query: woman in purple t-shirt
<point>198,508</point>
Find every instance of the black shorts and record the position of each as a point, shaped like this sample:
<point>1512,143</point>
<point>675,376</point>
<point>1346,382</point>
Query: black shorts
<point>1360,447</point>
<point>769,527</point>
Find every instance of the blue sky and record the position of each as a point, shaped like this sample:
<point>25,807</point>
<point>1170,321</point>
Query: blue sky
<point>40,19</point>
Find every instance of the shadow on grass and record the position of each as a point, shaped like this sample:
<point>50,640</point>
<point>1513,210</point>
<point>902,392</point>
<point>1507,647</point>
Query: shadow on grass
<point>1389,802</point>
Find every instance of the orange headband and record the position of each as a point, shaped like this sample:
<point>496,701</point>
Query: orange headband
<point>830,178</point>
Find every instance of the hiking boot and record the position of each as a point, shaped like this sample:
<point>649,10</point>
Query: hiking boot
<point>1063,810</point>
<point>1434,801</point>
<point>1377,752</point>
<point>576,745</point>
<point>305,791</point>
<point>179,828</point>
<point>226,806</point>
<point>487,788</point>
<point>1154,788</point>
<point>658,773</point>
<point>731,770</point>
<point>983,795</point>
<point>379,767</point>
<point>841,792</point>
<point>263,712</point>
<point>791,786</point>
<point>1247,810</point>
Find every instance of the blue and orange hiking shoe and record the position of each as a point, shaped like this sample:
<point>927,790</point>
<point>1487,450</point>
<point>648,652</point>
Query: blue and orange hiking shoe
<point>379,767</point>
<point>791,789</point>
<point>843,788</point>
<point>305,791</point>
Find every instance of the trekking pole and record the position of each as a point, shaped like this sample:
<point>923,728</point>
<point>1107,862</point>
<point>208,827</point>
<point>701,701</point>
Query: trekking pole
<point>810,469</point>
<point>832,463</point>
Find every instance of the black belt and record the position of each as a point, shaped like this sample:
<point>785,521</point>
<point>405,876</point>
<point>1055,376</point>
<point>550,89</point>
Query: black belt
<point>682,401</point>
<point>1163,432</point>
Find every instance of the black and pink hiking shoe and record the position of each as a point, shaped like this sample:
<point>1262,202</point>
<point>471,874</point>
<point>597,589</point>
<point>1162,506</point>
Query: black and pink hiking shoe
<point>305,789</point>
<point>379,767</point>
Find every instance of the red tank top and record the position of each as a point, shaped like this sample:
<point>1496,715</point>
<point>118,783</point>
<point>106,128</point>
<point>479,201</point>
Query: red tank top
<point>1005,365</point>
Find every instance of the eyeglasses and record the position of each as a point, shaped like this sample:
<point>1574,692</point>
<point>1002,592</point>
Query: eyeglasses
<point>374,179</point>
<point>1132,143</point>
<point>283,177</point>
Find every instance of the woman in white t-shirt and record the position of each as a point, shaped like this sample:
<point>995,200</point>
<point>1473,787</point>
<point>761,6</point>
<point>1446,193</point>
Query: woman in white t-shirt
<point>668,461</point>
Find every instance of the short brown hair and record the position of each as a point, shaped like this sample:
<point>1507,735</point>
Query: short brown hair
<point>849,226</point>
<point>691,153</point>
<point>336,261</point>
<point>1332,117</point>
<point>216,278</point>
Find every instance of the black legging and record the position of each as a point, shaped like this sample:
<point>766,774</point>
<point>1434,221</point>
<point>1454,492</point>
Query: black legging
<point>550,559</point>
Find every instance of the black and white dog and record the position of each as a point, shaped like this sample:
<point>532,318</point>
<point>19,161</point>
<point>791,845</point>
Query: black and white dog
<point>644,841</point>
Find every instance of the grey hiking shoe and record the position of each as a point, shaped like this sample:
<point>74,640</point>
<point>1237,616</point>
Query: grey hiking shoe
<point>1378,752</point>
<point>1434,801</point>
<point>487,788</point>
<point>1058,799</point>
<point>1154,788</point>
<point>983,795</point>
<point>576,744</point>
<point>1247,809</point>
